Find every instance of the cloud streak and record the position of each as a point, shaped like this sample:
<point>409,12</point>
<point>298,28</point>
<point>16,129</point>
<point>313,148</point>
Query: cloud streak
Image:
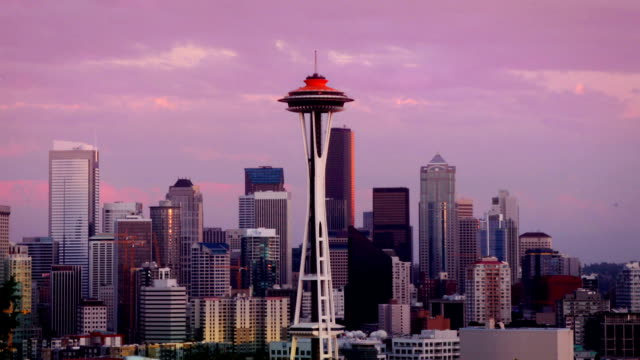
<point>178,57</point>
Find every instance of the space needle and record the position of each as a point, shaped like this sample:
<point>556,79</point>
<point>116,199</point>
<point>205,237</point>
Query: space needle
<point>316,103</point>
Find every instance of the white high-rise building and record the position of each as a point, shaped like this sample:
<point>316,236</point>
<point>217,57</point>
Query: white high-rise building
<point>271,210</point>
<point>74,202</point>
<point>118,210</point>
<point>401,280</point>
<point>163,310</point>
<point>210,270</point>
<point>488,294</point>
<point>628,287</point>
<point>102,273</point>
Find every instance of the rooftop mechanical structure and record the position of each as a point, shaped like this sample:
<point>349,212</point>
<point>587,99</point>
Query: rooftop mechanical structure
<point>316,103</point>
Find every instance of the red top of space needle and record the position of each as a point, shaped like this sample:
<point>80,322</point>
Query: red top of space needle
<point>315,96</point>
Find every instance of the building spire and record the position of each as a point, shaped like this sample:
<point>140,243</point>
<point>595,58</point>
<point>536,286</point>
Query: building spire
<point>315,61</point>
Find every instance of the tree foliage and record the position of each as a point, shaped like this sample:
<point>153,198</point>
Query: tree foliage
<point>8,316</point>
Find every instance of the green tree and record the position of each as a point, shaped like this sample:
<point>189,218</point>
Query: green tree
<point>8,316</point>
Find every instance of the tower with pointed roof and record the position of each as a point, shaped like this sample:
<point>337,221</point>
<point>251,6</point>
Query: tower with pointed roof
<point>438,235</point>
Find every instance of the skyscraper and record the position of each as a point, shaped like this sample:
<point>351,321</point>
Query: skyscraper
<point>42,253</point>
<point>628,287</point>
<point>18,264</point>
<point>132,248</point>
<point>271,210</point>
<point>214,235</point>
<point>369,268</point>
<point>102,274</point>
<point>74,202</point>
<point>260,257</point>
<point>263,178</point>
<point>488,292</point>
<point>468,228</point>
<point>339,254</point>
<point>340,182</point>
<point>391,228</point>
<point>502,231</point>
<point>210,270</point>
<point>163,310</point>
<point>438,241</point>
<point>118,210</point>
<point>367,222</point>
<point>401,280</point>
<point>187,195</point>
<point>66,293</point>
<point>165,225</point>
<point>5,212</point>
<point>533,240</point>
<point>312,102</point>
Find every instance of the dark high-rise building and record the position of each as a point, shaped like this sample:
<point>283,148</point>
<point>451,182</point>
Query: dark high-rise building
<point>340,181</point>
<point>5,212</point>
<point>263,178</point>
<point>42,253</point>
<point>260,257</point>
<point>614,335</point>
<point>66,293</point>
<point>132,248</point>
<point>438,243</point>
<point>451,307</point>
<point>337,217</point>
<point>468,228</point>
<point>214,235</point>
<point>367,222</point>
<point>537,263</point>
<point>502,223</point>
<point>370,281</point>
<point>165,225</point>
<point>391,228</point>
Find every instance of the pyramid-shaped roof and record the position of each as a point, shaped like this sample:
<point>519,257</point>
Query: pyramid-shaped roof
<point>437,160</point>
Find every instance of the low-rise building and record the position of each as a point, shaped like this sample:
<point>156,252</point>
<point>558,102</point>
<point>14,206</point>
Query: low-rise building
<point>430,344</point>
<point>516,343</point>
<point>394,318</point>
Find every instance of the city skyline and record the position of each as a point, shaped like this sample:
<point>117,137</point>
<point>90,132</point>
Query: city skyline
<point>164,97</point>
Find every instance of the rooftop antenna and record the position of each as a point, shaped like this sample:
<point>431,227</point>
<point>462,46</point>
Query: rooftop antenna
<point>315,61</point>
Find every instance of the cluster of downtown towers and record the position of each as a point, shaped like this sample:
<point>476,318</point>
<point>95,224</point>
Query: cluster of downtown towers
<point>450,237</point>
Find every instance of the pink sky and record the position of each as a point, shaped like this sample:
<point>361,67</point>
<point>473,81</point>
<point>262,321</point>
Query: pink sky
<point>538,97</point>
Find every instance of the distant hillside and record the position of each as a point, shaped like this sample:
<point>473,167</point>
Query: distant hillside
<point>607,274</point>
